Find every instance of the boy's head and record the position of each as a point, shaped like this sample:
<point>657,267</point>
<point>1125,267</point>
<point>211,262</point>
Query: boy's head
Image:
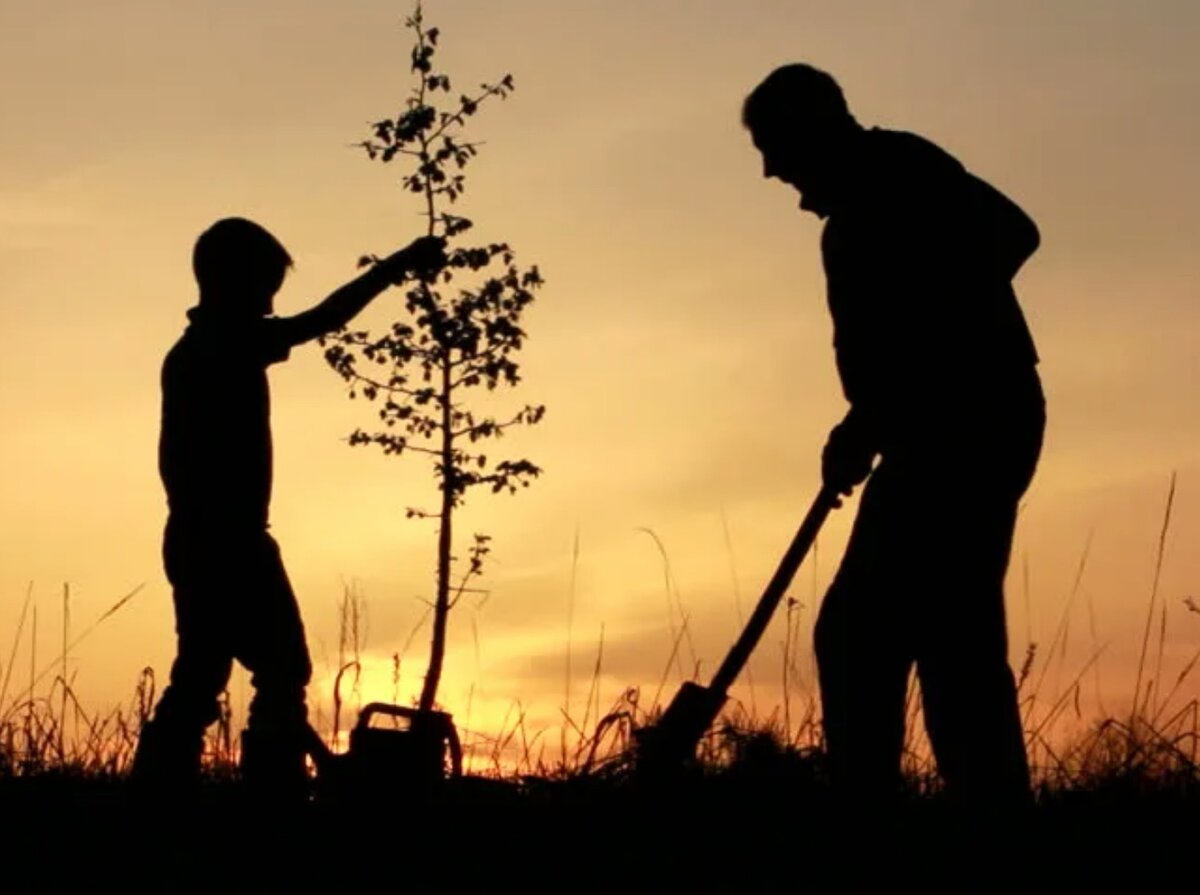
<point>239,267</point>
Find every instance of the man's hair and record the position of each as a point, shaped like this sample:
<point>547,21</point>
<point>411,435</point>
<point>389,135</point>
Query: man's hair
<point>237,255</point>
<point>796,96</point>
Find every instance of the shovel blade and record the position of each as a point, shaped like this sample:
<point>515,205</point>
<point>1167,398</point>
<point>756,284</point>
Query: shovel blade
<point>671,743</point>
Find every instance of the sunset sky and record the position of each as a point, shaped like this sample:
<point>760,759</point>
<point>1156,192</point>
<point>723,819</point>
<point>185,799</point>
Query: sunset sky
<point>681,343</point>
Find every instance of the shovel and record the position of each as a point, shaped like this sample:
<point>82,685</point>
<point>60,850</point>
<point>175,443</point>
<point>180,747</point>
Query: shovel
<point>670,743</point>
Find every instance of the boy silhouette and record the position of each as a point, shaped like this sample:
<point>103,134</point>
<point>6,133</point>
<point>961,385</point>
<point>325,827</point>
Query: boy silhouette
<point>232,597</point>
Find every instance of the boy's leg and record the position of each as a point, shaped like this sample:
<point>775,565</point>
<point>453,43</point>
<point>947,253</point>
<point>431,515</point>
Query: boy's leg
<point>272,647</point>
<point>171,743</point>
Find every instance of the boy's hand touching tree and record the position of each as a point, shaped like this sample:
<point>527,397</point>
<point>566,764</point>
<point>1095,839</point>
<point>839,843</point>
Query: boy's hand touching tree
<point>424,257</point>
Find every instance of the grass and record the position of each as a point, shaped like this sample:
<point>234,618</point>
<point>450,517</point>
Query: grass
<point>1125,785</point>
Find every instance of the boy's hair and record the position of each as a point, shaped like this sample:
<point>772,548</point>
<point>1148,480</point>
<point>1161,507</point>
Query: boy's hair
<point>796,97</point>
<point>236,256</point>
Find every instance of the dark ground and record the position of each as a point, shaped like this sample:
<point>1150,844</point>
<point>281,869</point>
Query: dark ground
<point>772,829</point>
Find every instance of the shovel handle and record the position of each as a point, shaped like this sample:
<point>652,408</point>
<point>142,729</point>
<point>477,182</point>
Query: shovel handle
<point>740,652</point>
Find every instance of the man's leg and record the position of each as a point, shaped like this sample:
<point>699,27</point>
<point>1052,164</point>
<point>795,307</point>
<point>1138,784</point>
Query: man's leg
<point>273,648</point>
<point>171,743</point>
<point>970,696</point>
<point>862,659</point>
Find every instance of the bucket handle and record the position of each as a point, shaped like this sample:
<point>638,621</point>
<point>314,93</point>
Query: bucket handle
<point>399,711</point>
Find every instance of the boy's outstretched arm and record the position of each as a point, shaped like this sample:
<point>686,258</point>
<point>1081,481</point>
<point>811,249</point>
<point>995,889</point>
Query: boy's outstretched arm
<point>344,304</point>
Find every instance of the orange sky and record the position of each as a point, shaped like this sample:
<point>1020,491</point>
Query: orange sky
<point>681,343</point>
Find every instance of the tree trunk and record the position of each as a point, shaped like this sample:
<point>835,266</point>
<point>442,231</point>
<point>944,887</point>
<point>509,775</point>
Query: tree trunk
<point>441,607</point>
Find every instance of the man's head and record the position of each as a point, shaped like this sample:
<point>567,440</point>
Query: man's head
<point>799,121</point>
<point>239,266</point>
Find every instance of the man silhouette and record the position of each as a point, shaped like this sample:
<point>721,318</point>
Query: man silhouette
<point>939,371</point>
<point>231,594</point>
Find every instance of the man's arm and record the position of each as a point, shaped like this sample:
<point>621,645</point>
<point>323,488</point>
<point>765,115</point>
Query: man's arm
<point>1011,234</point>
<point>344,304</point>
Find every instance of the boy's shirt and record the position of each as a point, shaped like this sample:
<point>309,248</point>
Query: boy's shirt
<point>215,452</point>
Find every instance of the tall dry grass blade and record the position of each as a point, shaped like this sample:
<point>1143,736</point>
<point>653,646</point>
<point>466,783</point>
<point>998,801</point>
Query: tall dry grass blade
<point>1091,608</point>
<point>12,654</point>
<point>1026,665</point>
<point>1076,587</point>
<point>351,639</point>
<point>469,747</point>
<point>398,657</point>
<point>1183,676</point>
<point>526,743</point>
<point>913,701</point>
<point>66,623</point>
<point>1195,728</point>
<point>223,733</point>
<point>787,696</point>
<point>594,688</point>
<point>395,678</point>
<point>1179,716</point>
<point>794,648</point>
<point>1162,639</point>
<point>37,678</point>
<point>1025,588</point>
<point>662,682</point>
<point>503,741</point>
<point>337,699</point>
<point>1062,700</point>
<point>1059,641</point>
<point>673,591</point>
<point>499,738</point>
<point>570,639</point>
<point>33,679</point>
<point>476,649</point>
<point>342,665</point>
<point>1162,546</point>
<point>788,666</point>
<point>737,604</point>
